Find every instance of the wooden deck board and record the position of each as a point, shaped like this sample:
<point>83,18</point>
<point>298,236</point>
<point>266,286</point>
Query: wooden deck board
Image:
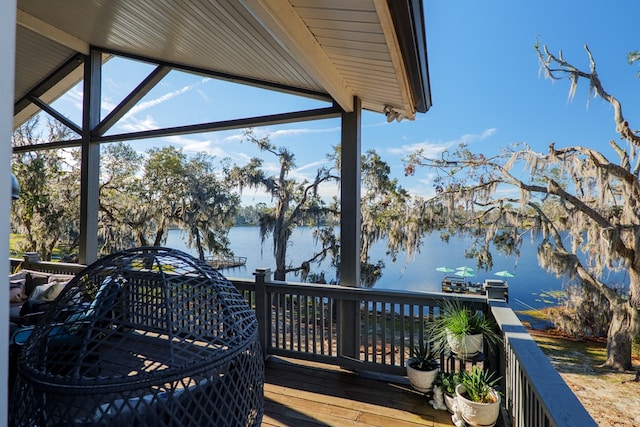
<point>299,394</point>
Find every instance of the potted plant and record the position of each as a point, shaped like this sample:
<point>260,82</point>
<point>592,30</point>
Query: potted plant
<point>422,367</point>
<point>447,381</point>
<point>461,329</point>
<point>477,400</point>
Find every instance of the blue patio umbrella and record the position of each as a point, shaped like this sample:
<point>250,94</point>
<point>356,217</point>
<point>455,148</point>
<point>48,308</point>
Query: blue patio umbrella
<point>445,269</point>
<point>465,268</point>
<point>504,273</point>
<point>465,273</point>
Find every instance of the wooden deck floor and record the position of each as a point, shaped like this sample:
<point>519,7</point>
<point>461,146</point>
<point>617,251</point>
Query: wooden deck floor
<point>300,394</point>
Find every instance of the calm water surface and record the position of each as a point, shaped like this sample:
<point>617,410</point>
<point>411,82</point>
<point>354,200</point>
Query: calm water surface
<point>418,274</point>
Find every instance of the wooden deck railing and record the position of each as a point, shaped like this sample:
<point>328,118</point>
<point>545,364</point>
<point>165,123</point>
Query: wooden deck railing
<point>302,321</point>
<point>305,321</point>
<point>534,392</point>
<point>31,261</point>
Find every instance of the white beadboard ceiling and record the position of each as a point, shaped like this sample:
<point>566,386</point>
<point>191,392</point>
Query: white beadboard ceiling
<point>372,49</point>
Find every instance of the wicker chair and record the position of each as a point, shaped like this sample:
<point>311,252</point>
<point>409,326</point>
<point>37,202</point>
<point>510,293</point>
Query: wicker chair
<point>147,336</point>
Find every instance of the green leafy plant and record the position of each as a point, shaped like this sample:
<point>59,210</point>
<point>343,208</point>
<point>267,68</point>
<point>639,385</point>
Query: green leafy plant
<point>457,320</point>
<point>448,381</point>
<point>423,357</point>
<point>478,384</point>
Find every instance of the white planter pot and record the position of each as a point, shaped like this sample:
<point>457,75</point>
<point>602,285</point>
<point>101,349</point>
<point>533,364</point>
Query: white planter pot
<point>421,380</point>
<point>465,347</point>
<point>477,414</point>
<point>450,401</point>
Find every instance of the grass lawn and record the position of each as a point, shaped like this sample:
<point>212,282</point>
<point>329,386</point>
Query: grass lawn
<point>612,398</point>
<point>14,239</point>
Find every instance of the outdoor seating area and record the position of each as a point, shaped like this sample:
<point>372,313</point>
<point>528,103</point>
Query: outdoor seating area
<point>307,380</point>
<point>31,292</point>
<point>146,336</point>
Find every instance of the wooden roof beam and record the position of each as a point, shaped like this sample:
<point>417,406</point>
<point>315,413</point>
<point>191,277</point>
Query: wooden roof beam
<point>283,23</point>
<point>52,33</point>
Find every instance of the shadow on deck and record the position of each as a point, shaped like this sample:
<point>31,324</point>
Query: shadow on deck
<point>306,394</point>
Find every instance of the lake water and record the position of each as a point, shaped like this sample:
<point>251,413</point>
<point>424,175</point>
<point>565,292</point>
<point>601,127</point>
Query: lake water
<point>418,274</point>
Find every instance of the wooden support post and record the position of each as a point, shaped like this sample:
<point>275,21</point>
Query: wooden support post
<point>263,308</point>
<point>350,220</point>
<point>90,162</point>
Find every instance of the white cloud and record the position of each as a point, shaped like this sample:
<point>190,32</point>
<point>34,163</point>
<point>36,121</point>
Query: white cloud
<point>75,96</point>
<point>434,149</point>
<point>487,133</point>
<point>159,100</point>
<point>272,134</point>
<point>194,145</point>
<point>424,188</point>
<point>313,165</point>
<point>429,149</point>
<point>137,125</point>
<point>236,137</point>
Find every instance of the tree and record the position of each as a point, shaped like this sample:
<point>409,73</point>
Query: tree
<point>137,209</point>
<point>296,202</point>
<point>190,193</point>
<point>249,215</point>
<point>45,212</point>
<point>575,197</point>
<point>207,207</point>
<point>127,215</point>
<point>387,212</point>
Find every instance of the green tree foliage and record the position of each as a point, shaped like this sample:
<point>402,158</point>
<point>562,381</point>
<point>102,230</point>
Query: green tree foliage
<point>173,189</point>
<point>387,213</point>
<point>46,212</point>
<point>296,202</point>
<point>127,215</point>
<point>208,206</point>
<point>584,206</point>
<point>249,215</point>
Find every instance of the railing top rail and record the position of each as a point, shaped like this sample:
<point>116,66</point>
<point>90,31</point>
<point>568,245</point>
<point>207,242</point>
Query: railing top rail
<point>371,294</point>
<point>47,265</point>
<point>364,294</point>
<point>553,392</point>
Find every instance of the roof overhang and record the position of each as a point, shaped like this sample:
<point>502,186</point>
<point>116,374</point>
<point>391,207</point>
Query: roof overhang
<point>374,50</point>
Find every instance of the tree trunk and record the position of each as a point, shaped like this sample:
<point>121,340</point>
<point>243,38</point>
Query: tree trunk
<point>622,330</point>
<point>198,243</point>
<point>281,254</point>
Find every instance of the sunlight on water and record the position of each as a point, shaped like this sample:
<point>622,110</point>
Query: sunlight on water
<point>418,274</point>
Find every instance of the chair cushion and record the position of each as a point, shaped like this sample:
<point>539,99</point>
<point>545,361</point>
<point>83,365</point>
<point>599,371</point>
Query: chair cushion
<point>17,293</point>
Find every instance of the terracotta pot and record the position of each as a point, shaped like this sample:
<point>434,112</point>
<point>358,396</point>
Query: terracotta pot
<point>421,380</point>
<point>465,347</point>
<point>477,414</point>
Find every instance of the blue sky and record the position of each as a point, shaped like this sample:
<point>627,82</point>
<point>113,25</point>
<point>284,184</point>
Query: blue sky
<point>486,85</point>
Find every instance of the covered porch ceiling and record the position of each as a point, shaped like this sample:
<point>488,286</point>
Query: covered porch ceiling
<point>356,54</point>
<point>373,50</point>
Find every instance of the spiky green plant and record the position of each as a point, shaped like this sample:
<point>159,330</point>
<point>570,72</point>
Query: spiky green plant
<point>458,320</point>
<point>424,357</point>
<point>478,384</point>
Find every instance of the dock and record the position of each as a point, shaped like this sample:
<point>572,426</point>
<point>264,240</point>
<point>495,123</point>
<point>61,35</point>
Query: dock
<point>222,262</point>
<point>459,285</point>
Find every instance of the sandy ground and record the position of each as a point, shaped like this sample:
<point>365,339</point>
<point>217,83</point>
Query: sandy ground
<point>612,398</point>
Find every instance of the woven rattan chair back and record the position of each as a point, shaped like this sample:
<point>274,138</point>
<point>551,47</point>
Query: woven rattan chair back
<point>147,336</point>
